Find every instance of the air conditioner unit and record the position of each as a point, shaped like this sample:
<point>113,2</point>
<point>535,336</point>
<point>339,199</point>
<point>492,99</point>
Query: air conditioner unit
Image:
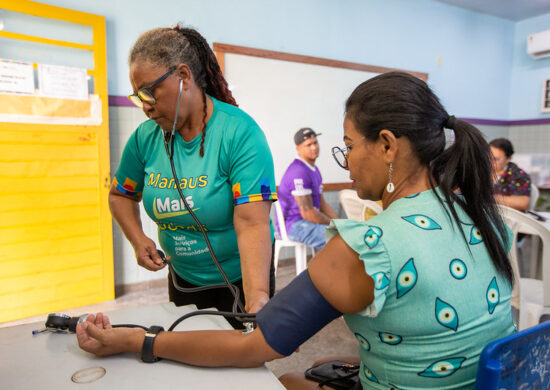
<point>538,44</point>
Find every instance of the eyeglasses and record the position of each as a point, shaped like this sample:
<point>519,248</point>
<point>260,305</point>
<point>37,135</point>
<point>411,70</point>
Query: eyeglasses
<point>145,94</point>
<point>341,154</point>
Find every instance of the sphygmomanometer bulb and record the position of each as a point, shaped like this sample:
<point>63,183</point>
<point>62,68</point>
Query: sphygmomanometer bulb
<point>162,256</point>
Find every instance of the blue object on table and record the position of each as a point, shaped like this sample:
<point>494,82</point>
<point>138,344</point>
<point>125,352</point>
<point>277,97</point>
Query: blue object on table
<point>518,361</point>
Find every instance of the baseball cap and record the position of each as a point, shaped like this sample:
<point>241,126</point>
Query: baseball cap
<point>303,134</point>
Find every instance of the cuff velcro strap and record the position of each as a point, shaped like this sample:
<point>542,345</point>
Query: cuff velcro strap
<point>294,314</point>
<point>148,342</point>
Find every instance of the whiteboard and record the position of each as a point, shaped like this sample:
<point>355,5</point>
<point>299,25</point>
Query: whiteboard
<point>283,96</point>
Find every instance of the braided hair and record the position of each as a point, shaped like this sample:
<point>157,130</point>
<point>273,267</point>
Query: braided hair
<point>177,45</point>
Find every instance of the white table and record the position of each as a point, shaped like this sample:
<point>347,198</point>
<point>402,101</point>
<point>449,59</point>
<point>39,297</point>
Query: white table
<point>49,360</point>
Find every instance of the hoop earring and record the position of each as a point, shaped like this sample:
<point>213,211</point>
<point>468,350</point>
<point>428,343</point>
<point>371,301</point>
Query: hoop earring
<point>390,187</point>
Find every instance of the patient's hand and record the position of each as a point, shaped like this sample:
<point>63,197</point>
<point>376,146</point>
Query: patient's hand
<point>97,336</point>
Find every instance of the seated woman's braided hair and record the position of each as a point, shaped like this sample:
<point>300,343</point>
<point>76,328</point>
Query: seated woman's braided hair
<point>177,45</point>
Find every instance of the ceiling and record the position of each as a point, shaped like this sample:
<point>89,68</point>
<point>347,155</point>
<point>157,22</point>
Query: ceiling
<point>507,9</point>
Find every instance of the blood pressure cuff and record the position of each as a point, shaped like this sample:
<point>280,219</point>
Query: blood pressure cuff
<point>294,314</point>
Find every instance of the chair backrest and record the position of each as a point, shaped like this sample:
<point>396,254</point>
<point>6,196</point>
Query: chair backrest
<point>352,204</point>
<point>370,209</point>
<point>535,193</point>
<point>280,220</point>
<point>522,223</point>
<point>518,361</point>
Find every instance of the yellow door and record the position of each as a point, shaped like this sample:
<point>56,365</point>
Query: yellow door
<point>55,226</point>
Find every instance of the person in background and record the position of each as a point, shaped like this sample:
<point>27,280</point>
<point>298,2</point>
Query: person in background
<point>424,285</point>
<point>300,192</point>
<point>224,167</point>
<point>512,185</point>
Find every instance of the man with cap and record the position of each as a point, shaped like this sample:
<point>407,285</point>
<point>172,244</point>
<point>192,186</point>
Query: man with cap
<point>300,193</point>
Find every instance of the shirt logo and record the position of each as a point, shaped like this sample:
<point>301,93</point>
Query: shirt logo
<point>168,207</point>
<point>299,184</point>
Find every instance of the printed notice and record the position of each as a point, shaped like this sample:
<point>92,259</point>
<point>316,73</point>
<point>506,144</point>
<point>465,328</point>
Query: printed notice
<point>16,77</point>
<point>62,82</point>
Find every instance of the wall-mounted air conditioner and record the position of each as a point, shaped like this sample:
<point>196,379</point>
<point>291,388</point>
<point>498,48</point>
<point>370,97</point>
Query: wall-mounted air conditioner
<point>538,44</point>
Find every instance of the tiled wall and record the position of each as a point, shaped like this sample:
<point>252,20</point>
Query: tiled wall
<point>525,138</point>
<point>530,138</point>
<point>124,120</point>
<point>492,132</point>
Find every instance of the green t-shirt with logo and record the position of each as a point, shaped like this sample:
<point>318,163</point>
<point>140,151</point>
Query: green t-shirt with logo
<point>237,168</point>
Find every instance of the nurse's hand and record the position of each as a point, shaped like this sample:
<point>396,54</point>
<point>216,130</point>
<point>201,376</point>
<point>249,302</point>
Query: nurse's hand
<point>256,303</point>
<point>147,255</point>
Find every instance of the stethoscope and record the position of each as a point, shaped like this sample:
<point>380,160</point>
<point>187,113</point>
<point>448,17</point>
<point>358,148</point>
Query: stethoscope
<point>246,318</point>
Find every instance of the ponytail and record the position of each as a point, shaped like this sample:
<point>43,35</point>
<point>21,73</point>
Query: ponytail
<point>209,78</point>
<point>466,166</point>
<point>210,75</point>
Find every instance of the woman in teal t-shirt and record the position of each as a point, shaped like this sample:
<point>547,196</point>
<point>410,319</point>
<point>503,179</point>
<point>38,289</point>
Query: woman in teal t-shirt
<point>224,169</point>
<point>424,285</point>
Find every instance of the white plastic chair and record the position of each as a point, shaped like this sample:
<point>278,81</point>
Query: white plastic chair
<point>371,207</point>
<point>300,249</point>
<point>530,296</point>
<point>355,207</point>
<point>535,193</point>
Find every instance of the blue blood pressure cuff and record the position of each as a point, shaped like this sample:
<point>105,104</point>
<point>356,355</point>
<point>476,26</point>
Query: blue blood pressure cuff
<point>294,314</point>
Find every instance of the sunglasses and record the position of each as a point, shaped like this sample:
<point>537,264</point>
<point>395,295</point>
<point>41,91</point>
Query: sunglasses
<point>145,94</point>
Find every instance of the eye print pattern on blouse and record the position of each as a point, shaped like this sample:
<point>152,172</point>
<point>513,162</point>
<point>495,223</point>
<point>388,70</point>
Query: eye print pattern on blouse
<point>443,368</point>
<point>388,338</point>
<point>422,221</point>
<point>372,236</point>
<point>446,315</point>
<point>363,342</point>
<point>493,295</point>
<point>380,280</point>
<point>475,236</point>
<point>370,376</point>
<point>406,279</point>
<point>458,269</point>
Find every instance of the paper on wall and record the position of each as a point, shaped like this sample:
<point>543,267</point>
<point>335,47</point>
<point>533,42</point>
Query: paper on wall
<point>62,82</point>
<point>16,77</point>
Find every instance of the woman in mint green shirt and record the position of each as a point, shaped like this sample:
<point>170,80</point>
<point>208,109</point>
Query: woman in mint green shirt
<point>424,285</point>
<point>224,169</point>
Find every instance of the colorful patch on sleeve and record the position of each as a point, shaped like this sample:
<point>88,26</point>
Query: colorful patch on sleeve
<point>236,190</point>
<point>265,189</point>
<point>265,193</point>
<point>128,188</point>
<point>443,368</point>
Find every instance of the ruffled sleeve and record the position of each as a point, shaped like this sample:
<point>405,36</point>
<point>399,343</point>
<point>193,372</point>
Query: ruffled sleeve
<point>367,240</point>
